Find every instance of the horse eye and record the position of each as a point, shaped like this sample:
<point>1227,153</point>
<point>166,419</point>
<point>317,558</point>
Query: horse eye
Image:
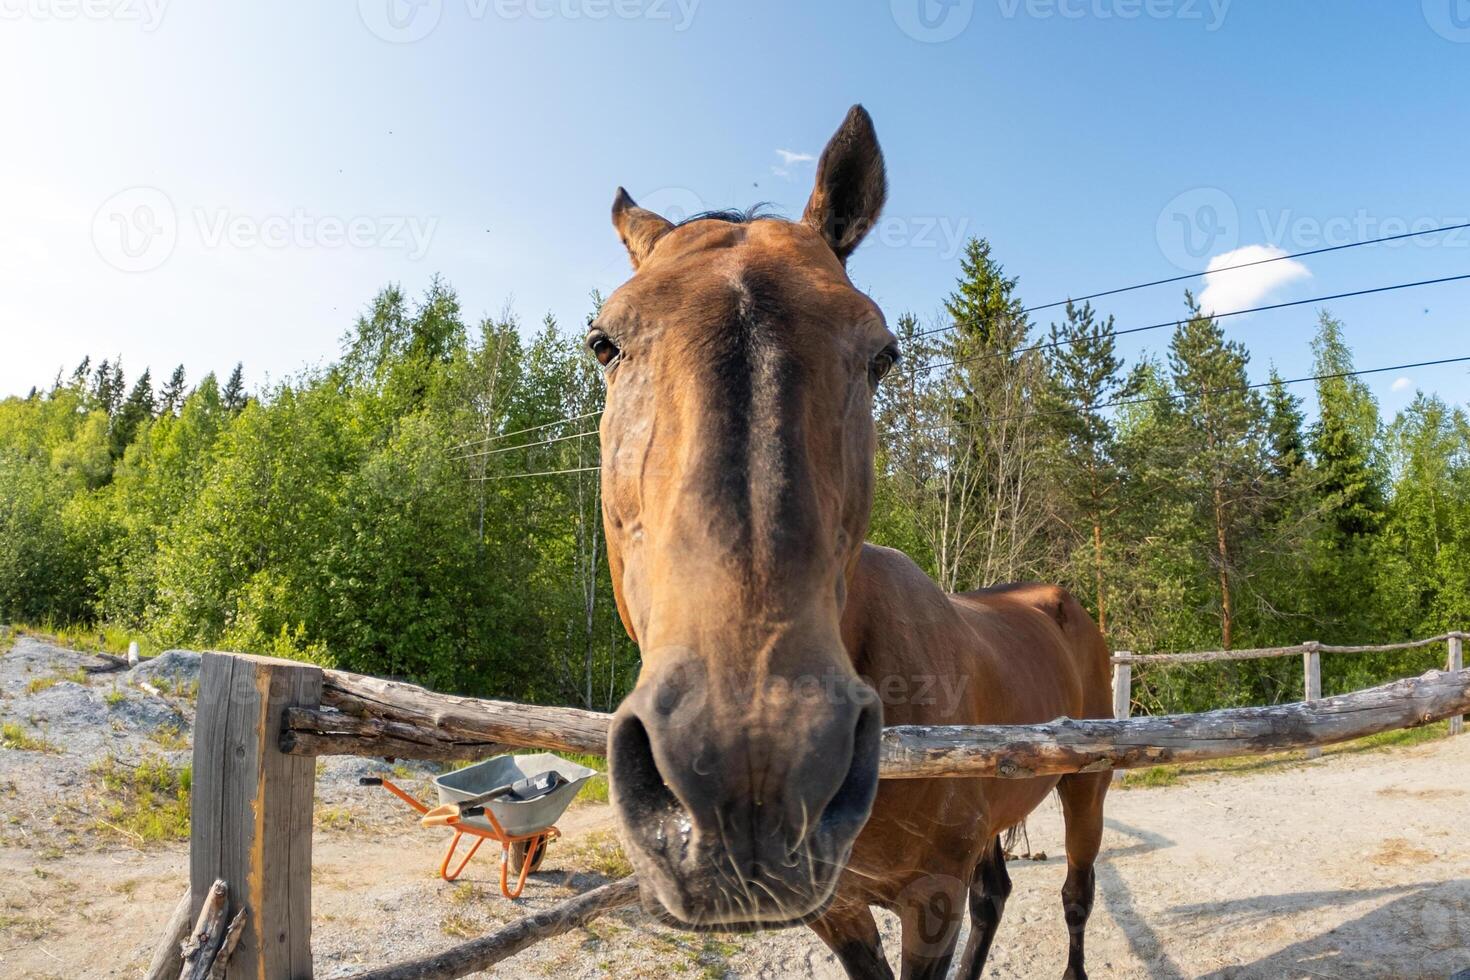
<point>883,363</point>
<point>602,347</point>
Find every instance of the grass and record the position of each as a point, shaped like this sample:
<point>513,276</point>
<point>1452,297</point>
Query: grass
<point>466,893</point>
<point>333,818</point>
<point>597,851</point>
<point>170,738</point>
<point>114,697</point>
<point>1244,765</point>
<point>94,638</point>
<point>460,926</point>
<point>38,684</point>
<point>145,803</point>
<point>595,789</point>
<point>13,737</point>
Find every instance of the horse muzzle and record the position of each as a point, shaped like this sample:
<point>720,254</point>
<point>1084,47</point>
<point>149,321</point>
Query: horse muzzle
<point>740,813</point>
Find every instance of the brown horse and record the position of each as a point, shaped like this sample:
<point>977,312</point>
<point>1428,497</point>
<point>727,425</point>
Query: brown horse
<point>737,475</point>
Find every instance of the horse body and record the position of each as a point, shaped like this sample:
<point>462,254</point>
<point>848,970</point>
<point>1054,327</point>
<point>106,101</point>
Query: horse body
<point>1014,654</point>
<point>737,481</point>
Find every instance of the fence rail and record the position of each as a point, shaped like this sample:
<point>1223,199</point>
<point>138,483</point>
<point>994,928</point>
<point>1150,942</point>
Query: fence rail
<point>1311,652</point>
<point>1310,646</point>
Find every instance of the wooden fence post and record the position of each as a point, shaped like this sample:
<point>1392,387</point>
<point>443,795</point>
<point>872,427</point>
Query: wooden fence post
<point>1312,664</point>
<point>1122,697</point>
<point>252,809</point>
<point>1122,690</point>
<point>1456,662</point>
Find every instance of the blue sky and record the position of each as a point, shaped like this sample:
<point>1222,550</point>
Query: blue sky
<point>201,182</point>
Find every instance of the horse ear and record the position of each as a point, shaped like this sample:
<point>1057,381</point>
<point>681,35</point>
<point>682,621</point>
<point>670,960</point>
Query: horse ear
<point>639,228</point>
<point>851,185</point>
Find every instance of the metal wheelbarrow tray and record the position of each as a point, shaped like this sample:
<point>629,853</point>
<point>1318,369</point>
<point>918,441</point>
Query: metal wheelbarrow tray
<point>523,827</point>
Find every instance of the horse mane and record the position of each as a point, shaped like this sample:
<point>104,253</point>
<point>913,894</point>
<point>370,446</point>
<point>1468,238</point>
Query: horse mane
<point>734,216</point>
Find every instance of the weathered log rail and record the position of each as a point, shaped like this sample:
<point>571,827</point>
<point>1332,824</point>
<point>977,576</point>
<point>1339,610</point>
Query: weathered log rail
<point>261,720</point>
<point>420,724</point>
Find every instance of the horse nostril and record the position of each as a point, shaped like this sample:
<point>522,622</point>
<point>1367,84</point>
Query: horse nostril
<point>848,809</point>
<point>636,779</point>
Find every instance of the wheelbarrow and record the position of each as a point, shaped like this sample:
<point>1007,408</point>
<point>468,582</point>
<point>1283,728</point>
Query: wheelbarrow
<point>513,799</point>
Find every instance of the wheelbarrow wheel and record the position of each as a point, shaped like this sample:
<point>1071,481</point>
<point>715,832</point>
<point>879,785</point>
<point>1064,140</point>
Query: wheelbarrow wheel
<point>518,854</point>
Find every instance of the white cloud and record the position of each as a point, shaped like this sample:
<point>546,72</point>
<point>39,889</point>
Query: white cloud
<point>790,161</point>
<point>1402,384</point>
<point>1244,288</point>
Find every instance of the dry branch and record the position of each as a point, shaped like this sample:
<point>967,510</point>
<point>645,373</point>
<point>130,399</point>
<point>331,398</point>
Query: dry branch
<point>207,953</point>
<point>909,752</point>
<point>479,954</point>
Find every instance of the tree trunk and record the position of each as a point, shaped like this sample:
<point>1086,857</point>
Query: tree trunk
<point>1226,623</point>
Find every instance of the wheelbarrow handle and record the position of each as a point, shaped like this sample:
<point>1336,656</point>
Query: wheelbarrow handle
<point>369,781</point>
<point>449,814</point>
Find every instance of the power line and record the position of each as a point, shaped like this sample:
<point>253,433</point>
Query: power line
<point>521,476</point>
<point>1121,402</point>
<point>1228,268</point>
<point>1112,404</point>
<point>517,432</point>
<point>1109,292</point>
<point>527,445</point>
<point>1047,345</point>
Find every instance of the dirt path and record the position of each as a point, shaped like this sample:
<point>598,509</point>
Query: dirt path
<point>1354,866</point>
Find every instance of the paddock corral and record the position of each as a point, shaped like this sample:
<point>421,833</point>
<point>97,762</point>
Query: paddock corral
<point>261,721</point>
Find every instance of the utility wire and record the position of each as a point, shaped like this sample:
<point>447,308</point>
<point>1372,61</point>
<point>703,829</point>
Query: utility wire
<point>1108,292</point>
<point>1228,268</point>
<point>1117,403</point>
<point>1047,345</point>
<point>527,445</point>
<point>1175,396</point>
<point>521,476</point>
<point>534,428</point>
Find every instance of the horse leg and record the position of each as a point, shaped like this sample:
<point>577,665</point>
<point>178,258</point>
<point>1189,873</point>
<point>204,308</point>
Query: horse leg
<point>1082,807</point>
<point>851,932</point>
<point>930,913</point>
<point>988,894</point>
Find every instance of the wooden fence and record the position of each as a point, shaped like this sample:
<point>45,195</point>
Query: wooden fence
<point>261,722</point>
<point>1311,652</point>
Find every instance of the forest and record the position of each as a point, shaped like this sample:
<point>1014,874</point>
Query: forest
<point>426,505</point>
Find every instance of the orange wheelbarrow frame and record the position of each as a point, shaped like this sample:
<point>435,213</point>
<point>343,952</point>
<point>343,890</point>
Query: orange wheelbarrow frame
<point>448,816</point>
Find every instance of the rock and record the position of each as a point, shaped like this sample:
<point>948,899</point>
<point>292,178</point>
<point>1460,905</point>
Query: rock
<point>147,714</point>
<point>172,666</point>
<point>68,706</point>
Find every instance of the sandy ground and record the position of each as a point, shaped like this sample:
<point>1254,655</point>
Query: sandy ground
<point>1356,865</point>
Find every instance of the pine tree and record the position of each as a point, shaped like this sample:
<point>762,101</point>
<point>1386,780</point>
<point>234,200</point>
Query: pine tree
<point>1284,433</point>
<point>1084,375</point>
<point>1345,439</point>
<point>135,411</point>
<point>1222,435</point>
<point>79,375</point>
<point>234,394</point>
<point>107,387</point>
<point>171,399</point>
<point>984,307</point>
<point>997,503</point>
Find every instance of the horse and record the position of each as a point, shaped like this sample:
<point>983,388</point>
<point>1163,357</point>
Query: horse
<point>737,472</point>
